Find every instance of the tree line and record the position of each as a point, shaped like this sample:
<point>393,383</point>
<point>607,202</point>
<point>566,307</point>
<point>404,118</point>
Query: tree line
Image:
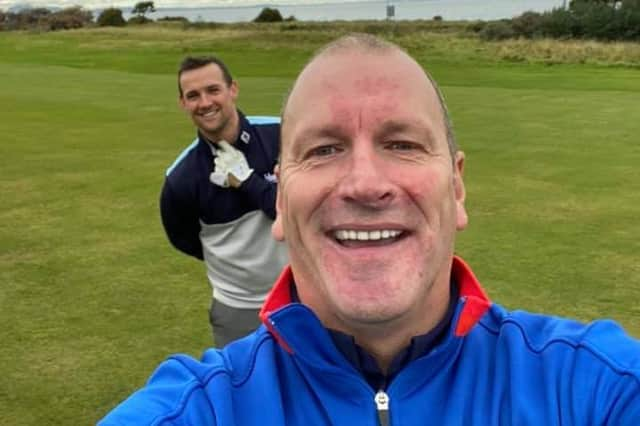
<point>582,19</point>
<point>605,20</point>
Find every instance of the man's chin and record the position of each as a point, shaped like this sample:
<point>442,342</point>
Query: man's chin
<point>357,315</point>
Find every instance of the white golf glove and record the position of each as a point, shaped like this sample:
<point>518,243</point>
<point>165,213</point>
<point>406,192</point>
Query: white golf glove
<point>232,161</point>
<point>219,178</point>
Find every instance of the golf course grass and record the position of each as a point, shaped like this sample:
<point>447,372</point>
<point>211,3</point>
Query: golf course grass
<point>93,297</point>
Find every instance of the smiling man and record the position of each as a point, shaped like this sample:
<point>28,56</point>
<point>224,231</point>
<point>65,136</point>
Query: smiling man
<point>218,199</point>
<point>376,321</point>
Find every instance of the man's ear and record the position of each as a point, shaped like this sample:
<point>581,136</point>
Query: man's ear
<point>277,230</point>
<point>459,191</point>
<point>235,90</point>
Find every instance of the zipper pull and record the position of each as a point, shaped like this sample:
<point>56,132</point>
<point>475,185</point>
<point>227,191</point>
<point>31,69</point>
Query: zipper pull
<point>382,404</point>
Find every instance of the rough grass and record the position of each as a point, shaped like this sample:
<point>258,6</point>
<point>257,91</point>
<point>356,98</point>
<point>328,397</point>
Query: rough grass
<point>93,296</point>
<point>567,52</point>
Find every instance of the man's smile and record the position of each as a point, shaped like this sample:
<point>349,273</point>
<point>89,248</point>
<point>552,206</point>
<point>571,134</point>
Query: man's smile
<point>370,237</point>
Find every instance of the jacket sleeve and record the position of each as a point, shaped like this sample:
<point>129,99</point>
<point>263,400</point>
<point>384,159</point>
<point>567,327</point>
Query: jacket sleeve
<point>172,396</point>
<point>262,192</point>
<point>625,410</point>
<point>181,221</point>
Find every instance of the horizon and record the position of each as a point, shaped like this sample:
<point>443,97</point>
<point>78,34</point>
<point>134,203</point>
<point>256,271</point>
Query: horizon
<point>195,4</point>
<point>168,4</point>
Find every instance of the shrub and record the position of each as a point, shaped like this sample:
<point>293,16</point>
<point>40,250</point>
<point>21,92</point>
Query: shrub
<point>477,26</point>
<point>498,30</point>
<point>437,18</point>
<point>111,17</point>
<point>601,20</point>
<point>173,19</point>
<point>560,23</point>
<point>32,18</point>
<point>139,20</point>
<point>4,18</point>
<point>269,15</point>
<point>68,18</point>
<point>629,15</point>
<point>597,20</point>
<point>25,19</point>
<point>528,25</point>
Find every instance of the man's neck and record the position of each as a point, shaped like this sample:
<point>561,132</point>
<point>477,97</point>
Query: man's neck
<point>385,342</point>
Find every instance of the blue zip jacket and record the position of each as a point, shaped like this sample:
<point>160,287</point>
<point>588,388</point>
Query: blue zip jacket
<point>494,367</point>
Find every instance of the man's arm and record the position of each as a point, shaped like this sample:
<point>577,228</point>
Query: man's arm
<point>173,395</point>
<point>181,222</point>
<point>625,407</point>
<point>262,192</point>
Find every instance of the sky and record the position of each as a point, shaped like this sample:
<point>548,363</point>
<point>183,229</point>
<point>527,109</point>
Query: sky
<point>100,4</point>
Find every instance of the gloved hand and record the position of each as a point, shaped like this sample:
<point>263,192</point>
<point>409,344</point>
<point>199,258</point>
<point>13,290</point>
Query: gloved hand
<point>233,162</point>
<point>220,171</point>
<point>219,178</point>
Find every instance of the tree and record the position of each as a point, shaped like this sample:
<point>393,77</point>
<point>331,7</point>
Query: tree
<point>111,17</point>
<point>577,3</point>
<point>142,8</point>
<point>269,15</point>
<point>68,18</point>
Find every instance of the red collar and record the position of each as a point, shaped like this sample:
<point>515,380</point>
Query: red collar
<point>476,304</point>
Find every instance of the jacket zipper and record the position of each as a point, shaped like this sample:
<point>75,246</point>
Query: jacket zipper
<point>382,404</point>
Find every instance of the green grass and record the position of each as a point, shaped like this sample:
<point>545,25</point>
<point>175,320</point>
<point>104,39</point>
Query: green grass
<point>93,297</point>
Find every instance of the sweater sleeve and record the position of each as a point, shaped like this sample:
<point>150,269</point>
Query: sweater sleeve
<point>181,222</point>
<point>261,192</point>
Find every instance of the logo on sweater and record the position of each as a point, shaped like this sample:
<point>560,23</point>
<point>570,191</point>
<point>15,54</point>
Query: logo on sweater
<point>270,177</point>
<point>245,136</point>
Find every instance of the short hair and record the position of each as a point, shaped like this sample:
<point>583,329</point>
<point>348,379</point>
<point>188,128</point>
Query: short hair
<point>194,62</point>
<point>368,43</point>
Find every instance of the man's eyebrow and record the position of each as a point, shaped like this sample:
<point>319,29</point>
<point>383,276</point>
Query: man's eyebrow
<point>421,127</point>
<point>331,131</point>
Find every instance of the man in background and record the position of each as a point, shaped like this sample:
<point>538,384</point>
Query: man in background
<point>218,199</point>
<point>376,321</point>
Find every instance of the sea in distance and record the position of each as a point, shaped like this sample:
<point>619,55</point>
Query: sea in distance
<point>364,10</point>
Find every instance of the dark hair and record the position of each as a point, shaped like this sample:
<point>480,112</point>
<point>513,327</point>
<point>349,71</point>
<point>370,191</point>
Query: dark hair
<point>194,62</point>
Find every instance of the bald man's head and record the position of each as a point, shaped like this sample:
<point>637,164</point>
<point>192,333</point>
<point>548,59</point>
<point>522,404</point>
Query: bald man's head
<point>352,46</point>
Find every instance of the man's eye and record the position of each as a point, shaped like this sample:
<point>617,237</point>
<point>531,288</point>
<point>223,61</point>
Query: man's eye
<point>401,146</point>
<point>323,151</point>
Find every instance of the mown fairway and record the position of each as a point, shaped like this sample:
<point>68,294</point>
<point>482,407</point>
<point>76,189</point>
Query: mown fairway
<point>92,297</point>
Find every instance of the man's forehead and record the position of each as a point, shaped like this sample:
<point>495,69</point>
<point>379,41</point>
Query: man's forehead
<point>350,78</point>
<point>361,71</point>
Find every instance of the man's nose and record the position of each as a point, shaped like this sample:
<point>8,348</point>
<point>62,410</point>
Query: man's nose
<point>205,101</point>
<point>366,181</point>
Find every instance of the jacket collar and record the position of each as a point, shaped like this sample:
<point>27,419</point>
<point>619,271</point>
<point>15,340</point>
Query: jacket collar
<point>476,302</point>
<point>244,134</point>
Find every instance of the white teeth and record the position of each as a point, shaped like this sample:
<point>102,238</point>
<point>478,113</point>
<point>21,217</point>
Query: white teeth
<point>344,234</point>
